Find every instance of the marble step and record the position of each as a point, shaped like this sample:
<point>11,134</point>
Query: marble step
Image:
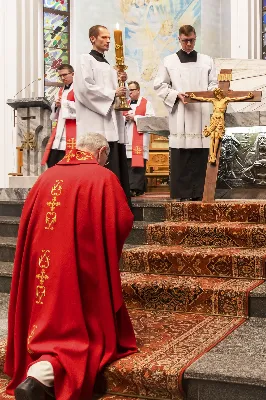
<point>137,235</point>
<point>6,269</point>
<point>195,261</point>
<point>162,339</point>
<point>185,294</point>
<point>9,226</point>
<point>11,208</point>
<point>252,211</point>
<point>148,210</point>
<point>191,234</point>
<point>234,369</point>
<point>143,210</point>
<point>7,248</point>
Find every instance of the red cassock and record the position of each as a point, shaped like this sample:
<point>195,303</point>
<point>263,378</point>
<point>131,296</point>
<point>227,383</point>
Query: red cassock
<point>66,303</point>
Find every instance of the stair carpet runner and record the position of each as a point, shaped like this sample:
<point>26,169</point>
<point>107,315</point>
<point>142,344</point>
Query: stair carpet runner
<point>186,290</point>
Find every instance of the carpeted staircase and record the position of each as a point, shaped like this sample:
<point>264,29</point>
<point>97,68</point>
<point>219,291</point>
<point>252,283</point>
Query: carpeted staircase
<point>186,282</point>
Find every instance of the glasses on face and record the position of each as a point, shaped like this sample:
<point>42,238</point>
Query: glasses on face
<point>64,75</point>
<point>188,41</point>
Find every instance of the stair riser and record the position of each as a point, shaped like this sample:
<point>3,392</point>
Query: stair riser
<point>183,264</point>
<point>5,284</point>
<point>254,237</point>
<point>150,214</point>
<point>194,300</point>
<point>216,212</point>
<point>12,210</point>
<point>137,236</point>
<point>7,253</point>
<point>8,230</point>
<point>257,306</point>
<point>210,390</point>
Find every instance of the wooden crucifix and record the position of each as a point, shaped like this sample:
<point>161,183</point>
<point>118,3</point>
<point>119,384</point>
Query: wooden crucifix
<point>220,97</point>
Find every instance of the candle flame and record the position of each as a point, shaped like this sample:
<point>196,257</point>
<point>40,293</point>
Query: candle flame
<point>117,26</point>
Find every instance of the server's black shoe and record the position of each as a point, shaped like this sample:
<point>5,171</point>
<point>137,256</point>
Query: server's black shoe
<point>32,389</point>
<point>196,199</point>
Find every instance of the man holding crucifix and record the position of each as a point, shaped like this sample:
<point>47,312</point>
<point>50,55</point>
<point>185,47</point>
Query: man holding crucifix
<point>186,71</point>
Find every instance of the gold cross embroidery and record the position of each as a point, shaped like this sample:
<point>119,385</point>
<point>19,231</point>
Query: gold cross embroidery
<point>71,143</point>
<point>137,150</point>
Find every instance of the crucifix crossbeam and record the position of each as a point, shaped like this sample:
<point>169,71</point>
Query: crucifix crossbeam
<point>219,98</point>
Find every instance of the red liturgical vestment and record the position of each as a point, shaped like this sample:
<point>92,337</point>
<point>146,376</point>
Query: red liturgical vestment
<point>66,302</point>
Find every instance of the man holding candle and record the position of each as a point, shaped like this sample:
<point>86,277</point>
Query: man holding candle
<point>96,90</point>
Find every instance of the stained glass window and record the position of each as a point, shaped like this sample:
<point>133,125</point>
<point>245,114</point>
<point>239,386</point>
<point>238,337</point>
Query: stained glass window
<point>56,24</point>
<point>264,29</point>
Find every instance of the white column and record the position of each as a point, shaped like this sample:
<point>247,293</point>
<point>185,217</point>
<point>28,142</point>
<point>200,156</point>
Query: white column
<point>8,73</point>
<point>21,47</point>
<point>246,16</point>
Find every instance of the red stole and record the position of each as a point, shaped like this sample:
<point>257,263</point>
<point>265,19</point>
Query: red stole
<point>70,126</point>
<point>137,140</point>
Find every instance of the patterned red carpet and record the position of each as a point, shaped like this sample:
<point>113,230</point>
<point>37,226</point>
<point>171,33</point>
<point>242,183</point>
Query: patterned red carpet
<point>186,290</point>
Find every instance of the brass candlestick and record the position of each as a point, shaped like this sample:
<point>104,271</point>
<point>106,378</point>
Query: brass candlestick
<point>121,103</point>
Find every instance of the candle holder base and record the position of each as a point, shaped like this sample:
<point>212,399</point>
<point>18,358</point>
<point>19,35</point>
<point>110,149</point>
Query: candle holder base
<point>121,104</point>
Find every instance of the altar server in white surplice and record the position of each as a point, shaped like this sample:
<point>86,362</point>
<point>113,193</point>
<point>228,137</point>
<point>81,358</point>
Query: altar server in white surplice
<point>182,72</point>
<point>96,88</point>
<point>63,136</point>
<point>138,143</point>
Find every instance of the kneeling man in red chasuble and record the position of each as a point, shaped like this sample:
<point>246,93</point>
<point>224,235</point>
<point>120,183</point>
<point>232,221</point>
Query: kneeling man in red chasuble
<point>67,317</point>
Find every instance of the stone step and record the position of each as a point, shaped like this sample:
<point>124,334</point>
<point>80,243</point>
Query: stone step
<point>9,226</point>
<point>257,297</point>
<point>234,369</point>
<point>148,210</point>
<point>6,269</point>
<point>253,211</point>
<point>7,248</point>
<point>184,294</point>
<point>195,261</point>
<point>11,208</point>
<point>162,338</point>
<point>143,210</point>
<point>191,234</point>
<point>137,235</point>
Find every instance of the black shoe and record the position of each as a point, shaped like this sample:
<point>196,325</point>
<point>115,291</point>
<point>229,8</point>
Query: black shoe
<point>32,389</point>
<point>196,199</point>
<point>133,193</point>
<point>139,193</point>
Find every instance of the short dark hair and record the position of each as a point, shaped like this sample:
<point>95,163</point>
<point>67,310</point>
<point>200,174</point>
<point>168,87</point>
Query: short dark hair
<point>186,30</point>
<point>94,30</point>
<point>65,66</point>
<point>134,83</point>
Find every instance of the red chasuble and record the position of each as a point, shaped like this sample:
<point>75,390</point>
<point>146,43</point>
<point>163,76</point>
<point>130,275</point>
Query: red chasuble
<point>66,302</point>
<point>70,126</point>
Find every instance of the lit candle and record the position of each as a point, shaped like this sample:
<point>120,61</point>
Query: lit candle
<point>118,46</point>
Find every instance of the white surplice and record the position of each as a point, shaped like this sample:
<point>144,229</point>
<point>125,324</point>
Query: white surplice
<point>186,122</point>
<point>95,84</point>
<point>129,129</point>
<point>66,111</point>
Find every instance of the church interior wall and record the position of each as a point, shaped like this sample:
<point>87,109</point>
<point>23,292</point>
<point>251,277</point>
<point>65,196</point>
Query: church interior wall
<point>21,46</point>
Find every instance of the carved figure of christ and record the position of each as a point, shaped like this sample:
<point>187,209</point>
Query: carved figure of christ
<point>217,123</point>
